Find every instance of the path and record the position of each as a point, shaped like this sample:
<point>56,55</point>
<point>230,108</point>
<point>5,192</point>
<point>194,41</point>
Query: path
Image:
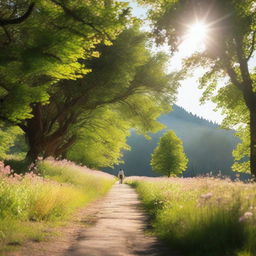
<point>112,226</point>
<point>119,230</point>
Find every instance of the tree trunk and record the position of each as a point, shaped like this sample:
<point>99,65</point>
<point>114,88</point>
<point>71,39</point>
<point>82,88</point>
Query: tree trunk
<point>250,100</point>
<point>41,141</point>
<point>33,131</point>
<point>253,142</point>
<point>35,146</point>
<point>50,146</point>
<point>32,155</point>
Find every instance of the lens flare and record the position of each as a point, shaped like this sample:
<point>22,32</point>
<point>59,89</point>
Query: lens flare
<point>197,32</point>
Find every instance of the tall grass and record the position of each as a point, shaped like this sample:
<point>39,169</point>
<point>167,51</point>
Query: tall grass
<point>202,216</point>
<point>51,196</point>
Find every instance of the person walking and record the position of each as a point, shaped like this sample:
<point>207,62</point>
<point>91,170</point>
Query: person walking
<point>120,175</point>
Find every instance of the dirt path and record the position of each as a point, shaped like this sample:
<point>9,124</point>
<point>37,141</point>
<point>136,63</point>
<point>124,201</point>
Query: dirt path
<point>117,229</point>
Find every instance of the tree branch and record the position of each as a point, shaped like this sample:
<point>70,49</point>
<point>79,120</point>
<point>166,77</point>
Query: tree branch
<point>76,17</point>
<point>252,46</point>
<point>71,30</point>
<point>4,22</point>
<point>63,148</point>
<point>120,97</point>
<point>231,72</point>
<point>247,82</point>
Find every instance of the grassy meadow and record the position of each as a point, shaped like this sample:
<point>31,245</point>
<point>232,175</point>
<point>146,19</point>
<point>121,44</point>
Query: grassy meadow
<point>201,216</point>
<point>30,203</point>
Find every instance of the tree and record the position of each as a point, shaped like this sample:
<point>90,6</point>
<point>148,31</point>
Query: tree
<point>126,77</point>
<point>168,157</point>
<point>48,46</point>
<point>232,27</point>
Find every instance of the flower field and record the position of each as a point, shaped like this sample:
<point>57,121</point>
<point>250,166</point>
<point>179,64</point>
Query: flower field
<point>201,216</point>
<point>30,201</point>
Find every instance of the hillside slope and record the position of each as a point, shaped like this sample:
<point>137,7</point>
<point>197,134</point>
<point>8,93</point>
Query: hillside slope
<point>208,147</point>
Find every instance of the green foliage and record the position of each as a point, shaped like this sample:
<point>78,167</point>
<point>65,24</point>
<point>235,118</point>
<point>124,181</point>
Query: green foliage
<point>126,80</point>
<point>231,101</point>
<point>201,216</point>
<point>242,152</point>
<point>101,141</point>
<point>131,80</point>
<point>168,157</point>
<point>8,135</point>
<point>49,46</point>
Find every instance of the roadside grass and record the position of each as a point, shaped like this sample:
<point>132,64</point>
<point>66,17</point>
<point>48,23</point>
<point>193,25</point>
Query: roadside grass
<point>201,216</point>
<point>30,203</point>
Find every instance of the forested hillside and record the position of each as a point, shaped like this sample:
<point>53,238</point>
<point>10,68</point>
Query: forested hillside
<point>208,147</point>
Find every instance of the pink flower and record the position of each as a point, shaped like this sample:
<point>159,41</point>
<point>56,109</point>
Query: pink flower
<point>206,196</point>
<point>246,216</point>
<point>5,170</point>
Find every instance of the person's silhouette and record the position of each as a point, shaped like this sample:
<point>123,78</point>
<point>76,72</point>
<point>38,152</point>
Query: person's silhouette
<point>120,175</point>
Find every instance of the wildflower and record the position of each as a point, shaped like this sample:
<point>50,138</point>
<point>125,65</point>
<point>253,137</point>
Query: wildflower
<point>246,216</point>
<point>17,176</point>
<point>5,170</point>
<point>206,196</point>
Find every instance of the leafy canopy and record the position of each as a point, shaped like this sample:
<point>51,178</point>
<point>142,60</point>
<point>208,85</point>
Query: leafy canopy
<point>48,46</point>
<point>127,79</point>
<point>101,141</point>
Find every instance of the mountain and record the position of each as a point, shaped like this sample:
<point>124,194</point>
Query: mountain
<point>208,147</point>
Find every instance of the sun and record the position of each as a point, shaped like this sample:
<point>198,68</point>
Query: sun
<point>197,32</point>
<point>195,38</point>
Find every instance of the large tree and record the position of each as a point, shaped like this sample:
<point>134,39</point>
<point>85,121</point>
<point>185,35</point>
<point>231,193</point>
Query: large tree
<point>43,43</point>
<point>229,48</point>
<point>168,157</point>
<point>126,77</point>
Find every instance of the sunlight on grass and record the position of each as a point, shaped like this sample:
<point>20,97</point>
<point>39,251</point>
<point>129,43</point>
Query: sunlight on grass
<point>30,202</point>
<point>202,216</point>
